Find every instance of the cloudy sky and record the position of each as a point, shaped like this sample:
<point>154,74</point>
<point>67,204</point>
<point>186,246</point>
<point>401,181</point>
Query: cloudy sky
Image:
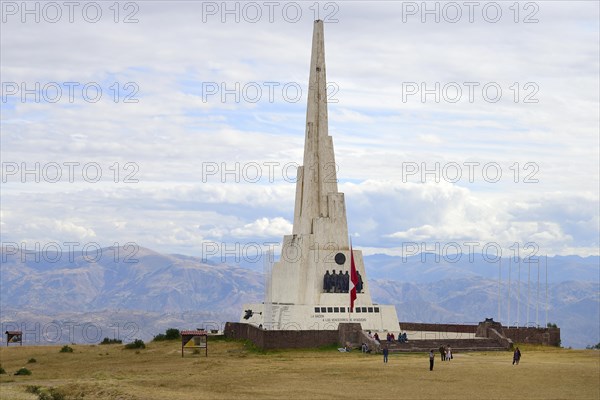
<point>173,124</point>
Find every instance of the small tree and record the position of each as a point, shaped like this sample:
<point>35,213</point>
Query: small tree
<point>172,334</point>
<point>159,338</point>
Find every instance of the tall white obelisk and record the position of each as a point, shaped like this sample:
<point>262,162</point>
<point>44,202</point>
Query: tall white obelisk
<point>299,296</point>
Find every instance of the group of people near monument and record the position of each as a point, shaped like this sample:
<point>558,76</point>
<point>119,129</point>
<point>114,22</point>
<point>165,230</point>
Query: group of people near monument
<point>340,282</point>
<point>402,337</point>
<point>445,353</point>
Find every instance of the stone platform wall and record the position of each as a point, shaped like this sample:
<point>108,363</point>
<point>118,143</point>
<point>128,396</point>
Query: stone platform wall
<point>291,339</point>
<point>544,336</point>
<point>455,328</point>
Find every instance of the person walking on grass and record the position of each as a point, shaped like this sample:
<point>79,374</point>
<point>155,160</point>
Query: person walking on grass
<point>431,358</point>
<point>516,356</point>
<point>385,354</point>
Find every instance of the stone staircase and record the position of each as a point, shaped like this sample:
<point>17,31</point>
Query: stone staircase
<point>457,345</point>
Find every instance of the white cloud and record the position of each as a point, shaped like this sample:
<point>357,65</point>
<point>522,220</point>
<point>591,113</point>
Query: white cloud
<point>264,227</point>
<point>172,132</point>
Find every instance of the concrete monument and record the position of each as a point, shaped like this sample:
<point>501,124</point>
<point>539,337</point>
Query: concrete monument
<point>303,293</point>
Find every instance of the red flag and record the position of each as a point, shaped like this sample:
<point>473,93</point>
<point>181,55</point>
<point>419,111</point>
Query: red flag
<point>353,279</point>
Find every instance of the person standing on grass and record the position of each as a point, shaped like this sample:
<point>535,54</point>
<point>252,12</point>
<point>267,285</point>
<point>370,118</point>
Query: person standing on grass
<point>442,352</point>
<point>431,358</point>
<point>385,354</point>
<point>516,356</point>
<point>448,353</point>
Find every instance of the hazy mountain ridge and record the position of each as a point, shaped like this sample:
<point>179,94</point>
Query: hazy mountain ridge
<point>428,267</point>
<point>156,283</point>
<point>183,291</point>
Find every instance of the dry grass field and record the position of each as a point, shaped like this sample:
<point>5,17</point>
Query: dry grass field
<point>234,371</point>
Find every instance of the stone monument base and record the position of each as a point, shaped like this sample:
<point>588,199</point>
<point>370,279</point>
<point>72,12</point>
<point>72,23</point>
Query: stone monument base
<point>373,317</point>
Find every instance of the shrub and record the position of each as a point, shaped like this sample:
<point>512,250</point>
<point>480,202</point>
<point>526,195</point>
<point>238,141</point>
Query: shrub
<point>111,341</point>
<point>159,338</point>
<point>23,371</point>
<point>172,334</point>
<point>551,325</point>
<point>595,347</point>
<point>51,394</point>
<point>31,361</point>
<point>2,371</point>
<point>66,349</point>
<point>46,394</point>
<point>35,389</point>
<point>136,344</point>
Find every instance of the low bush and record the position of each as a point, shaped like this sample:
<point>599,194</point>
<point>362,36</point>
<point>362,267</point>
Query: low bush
<point>159,338</point>
<point>2,371</point>
<point>111,341</point>
<point>23,371</point>
<point>45,393</point>
<point>136,344</point>
<point>35,389</point>
<point>31,361</point>
<point>66,349</point>
<point>51,394</point>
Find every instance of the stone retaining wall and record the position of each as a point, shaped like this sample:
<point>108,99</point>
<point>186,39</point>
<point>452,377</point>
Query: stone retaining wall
<point>455,328</point>
<point>545,336</point>
<point>265,339</point>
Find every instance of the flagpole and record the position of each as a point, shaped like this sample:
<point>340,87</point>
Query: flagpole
<point>349,308</point>
<point>353,279</point>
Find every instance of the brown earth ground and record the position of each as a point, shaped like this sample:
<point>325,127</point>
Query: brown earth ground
<point>234,370</point>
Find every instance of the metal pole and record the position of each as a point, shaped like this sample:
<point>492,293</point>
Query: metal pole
<point>499,283</point>
<point>546,262</point>
<point>519,295</point>
<point>528,285</point>
<point>508,305</point>
<point>537,301</point>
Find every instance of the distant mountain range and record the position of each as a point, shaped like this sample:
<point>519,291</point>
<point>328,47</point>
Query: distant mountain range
<point>161,291</point>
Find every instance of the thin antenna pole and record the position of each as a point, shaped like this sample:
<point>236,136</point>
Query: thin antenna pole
<point>537,301</point>
<point>499,285</point>
<point>519,296</point>
<point>267,316</point>
<point>528,285</point>
<point>546,262</point>
<point>508,305</point>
